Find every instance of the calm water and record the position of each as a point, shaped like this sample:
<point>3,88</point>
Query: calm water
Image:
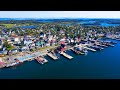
<point>106,24</point>
<point>101,24</point>
<point>103,64</point>
<point>29,27</point>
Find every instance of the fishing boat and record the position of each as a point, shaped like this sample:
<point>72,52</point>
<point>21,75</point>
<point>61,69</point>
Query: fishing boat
<point>105,43</point>
<point>77,51</point>
<point>118,39</point>
<point>96,47</point>
<point>108,44</point>
<point>41,60</point>
<point>80,49</point>
<point>12,64</point>
<point>111,45</point>
<point>101,45</point>
<point>85,51</point>
<point>16,63</point>
<point>113,42</point>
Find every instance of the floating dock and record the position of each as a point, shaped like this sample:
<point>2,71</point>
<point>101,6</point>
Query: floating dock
<point>41,60</point>
<point>90,49</point>
<point>102,45</point>
<point>52,56</point>
<point>66,55</point>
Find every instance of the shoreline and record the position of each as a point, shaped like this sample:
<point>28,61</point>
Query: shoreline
<point>29,56</point>
<point>42,52</point>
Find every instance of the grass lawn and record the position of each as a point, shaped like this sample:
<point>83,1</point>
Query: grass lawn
<point>9,25</point>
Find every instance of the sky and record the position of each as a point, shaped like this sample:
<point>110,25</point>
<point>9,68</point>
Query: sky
<point>59,14</point>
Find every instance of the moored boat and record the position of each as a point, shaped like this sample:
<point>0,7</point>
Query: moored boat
<point>77,51</point>
<point>41,60</point>
<point>117,39</point>
<point>96,47</point>
<point>16,63</point>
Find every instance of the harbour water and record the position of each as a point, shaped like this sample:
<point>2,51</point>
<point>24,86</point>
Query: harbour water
<point>106,24</point>
<point>29,27</point>
<point>104,64</point>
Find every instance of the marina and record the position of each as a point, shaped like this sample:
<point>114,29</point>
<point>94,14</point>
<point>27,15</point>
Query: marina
<point>78,49</point>
<point>59,48</point>
<point>52,54</point>
<point>84,66</point>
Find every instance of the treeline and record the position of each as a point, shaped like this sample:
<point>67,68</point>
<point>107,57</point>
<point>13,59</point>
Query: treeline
<point>17,21</point>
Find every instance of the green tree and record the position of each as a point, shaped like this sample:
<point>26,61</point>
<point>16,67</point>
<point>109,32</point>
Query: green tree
<point>22,44</point>
<point>22,33</point>
<point>8,46</point>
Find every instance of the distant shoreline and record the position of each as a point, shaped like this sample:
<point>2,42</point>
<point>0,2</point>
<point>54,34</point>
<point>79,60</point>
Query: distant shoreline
<point>53,18</point>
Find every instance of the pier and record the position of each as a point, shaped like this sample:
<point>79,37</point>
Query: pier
<point>25,58</point>
<point>41,60</point>
<point>90,49</point>
<point>102,45</point>
<point>52,56</point>
<point>66,55</point>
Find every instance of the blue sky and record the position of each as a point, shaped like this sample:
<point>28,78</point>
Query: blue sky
<point>59,14</point>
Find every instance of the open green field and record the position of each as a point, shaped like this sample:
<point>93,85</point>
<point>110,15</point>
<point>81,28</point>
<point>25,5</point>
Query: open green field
<point>8,25</point>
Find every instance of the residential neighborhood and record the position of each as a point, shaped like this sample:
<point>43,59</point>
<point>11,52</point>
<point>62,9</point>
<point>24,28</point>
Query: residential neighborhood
<point>34,37</point>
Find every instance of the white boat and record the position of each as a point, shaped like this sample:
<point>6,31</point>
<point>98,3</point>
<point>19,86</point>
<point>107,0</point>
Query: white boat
<point>12,64</point>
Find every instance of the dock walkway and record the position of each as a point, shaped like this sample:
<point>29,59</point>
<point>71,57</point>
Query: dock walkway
<point>66,55</point>
<point>102,45</point>
<point>52,56</point>
<point>90,49</point>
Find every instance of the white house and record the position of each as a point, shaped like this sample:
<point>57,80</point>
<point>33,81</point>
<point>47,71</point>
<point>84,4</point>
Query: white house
<point>33,44</point>
<point>0,59</point>
<point>24,48</point>
<point>5,52</point>
<point>42,34</point>
<point>48,44</point>
<point>16,39</point>
<point>27,42</point>
<point>72,40</point>
<point>50,37</point>
<point>63,39</point>
<point>14,51</point>
<point>28,36</point>
<point>1,46</point>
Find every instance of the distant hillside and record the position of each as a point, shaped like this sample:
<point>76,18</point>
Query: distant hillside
<point>37,20</point>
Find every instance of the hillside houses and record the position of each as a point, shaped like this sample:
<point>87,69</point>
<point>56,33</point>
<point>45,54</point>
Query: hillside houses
<point>49,34</point>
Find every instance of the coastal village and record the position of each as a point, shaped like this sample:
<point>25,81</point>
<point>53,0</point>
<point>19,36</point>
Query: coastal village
<point>32,41</point>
